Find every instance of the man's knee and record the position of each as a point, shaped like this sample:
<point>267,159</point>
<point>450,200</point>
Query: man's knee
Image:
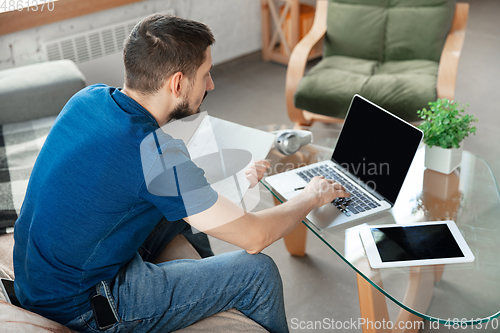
<point>264,285</point>
<point>262,265</point>
<point>264,261</point>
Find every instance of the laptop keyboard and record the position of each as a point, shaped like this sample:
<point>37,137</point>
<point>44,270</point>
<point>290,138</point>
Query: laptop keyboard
<point>358,203</point>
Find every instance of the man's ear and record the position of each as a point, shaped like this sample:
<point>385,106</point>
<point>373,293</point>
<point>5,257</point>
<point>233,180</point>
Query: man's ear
<point>176,84</point>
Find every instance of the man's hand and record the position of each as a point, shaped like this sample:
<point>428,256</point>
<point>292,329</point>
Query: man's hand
<point>255,172</point>
<point>325,190</point>
<point>253,232</point>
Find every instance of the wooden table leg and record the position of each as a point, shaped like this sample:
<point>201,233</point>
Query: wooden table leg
<point>418,296</point>
<point>295,241</point>
<point>373,305</point>
<point>439,272</point>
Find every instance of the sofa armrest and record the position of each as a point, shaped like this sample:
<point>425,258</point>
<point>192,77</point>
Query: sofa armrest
<point>178,248</point>
<point>6,265</point>
<point>39,90</point>
<point>14,319</point>
<point>229,321</point>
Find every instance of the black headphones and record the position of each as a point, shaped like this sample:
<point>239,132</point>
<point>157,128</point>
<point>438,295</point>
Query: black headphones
<point>288,142</point>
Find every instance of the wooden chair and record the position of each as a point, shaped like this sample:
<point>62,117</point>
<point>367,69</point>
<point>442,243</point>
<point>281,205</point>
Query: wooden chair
<point>447,71</point>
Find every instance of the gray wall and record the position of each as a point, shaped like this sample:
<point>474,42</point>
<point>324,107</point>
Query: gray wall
<point>235,23</point>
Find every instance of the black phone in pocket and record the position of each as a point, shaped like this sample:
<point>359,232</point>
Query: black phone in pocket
<point>8,290</point>
<point>103,313</point>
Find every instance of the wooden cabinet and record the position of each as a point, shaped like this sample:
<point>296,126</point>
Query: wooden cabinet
<point>284,23</point>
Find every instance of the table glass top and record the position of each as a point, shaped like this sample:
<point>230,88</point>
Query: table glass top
<point>469,196</point>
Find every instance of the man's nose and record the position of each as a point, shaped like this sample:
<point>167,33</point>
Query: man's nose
<point>210,83</point>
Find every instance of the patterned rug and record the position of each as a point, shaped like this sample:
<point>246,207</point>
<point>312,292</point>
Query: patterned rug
<point>20,144</point>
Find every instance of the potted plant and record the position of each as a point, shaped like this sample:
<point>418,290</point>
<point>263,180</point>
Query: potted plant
<point>445,125</point>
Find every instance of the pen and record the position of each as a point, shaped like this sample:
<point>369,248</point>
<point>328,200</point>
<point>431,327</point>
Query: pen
<point>299,188</point>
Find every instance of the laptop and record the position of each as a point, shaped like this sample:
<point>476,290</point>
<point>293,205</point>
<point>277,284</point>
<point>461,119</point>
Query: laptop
<point>372,157</point>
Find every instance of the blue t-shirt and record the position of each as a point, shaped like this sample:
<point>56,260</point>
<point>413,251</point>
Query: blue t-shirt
<point>87,208</point>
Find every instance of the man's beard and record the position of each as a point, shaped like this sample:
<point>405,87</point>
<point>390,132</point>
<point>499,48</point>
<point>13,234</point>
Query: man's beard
<point>183,110</point>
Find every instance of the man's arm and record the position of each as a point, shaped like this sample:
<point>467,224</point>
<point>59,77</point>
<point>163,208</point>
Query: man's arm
<point>253,232</point>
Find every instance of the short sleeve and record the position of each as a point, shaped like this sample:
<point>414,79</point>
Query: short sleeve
<point>173,183</point>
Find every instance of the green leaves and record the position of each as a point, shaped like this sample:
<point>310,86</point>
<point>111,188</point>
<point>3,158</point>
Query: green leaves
<point>445,124</point>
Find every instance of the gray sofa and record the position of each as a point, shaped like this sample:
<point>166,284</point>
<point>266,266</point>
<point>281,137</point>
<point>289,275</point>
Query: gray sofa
<point>30,98</point>
<point>14,319</point>
<point>39,90</point>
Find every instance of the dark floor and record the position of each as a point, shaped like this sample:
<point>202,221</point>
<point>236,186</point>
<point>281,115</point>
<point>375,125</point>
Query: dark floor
<point>251,92</point>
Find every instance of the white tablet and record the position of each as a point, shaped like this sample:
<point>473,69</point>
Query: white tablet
<point>416,244</point>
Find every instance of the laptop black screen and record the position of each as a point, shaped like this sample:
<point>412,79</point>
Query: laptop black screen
<point>376,147</point>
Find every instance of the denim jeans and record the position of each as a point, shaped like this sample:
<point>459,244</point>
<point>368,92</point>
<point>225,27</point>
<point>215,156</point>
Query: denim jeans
<point>168,296</point>
<point>165,231</point>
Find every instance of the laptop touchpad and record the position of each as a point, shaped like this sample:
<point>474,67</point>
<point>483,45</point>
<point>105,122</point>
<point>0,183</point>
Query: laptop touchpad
<point>324,215</point>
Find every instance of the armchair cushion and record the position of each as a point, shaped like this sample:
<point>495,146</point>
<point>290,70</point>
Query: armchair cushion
<point>355,31</point>
<point>401,87</point>
<point>387,30</point>
<point>330,85</point>
<point>417,29</point>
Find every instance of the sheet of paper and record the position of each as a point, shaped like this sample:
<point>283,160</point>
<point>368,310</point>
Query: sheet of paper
<point>185,128</point>
<point>230,135</point>
<point>203,141</point>
<point>233,140</point>
<point>224,150</point>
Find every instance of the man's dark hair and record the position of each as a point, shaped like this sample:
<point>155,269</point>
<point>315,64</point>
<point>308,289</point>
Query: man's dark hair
<point>160,46</point>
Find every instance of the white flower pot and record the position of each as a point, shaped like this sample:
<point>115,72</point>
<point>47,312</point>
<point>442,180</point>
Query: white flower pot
<point>443,160</point>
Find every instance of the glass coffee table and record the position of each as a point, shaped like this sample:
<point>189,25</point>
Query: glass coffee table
<point>455,295</point>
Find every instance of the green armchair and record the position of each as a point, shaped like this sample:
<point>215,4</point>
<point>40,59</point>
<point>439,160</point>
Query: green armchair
<point>398,54</point>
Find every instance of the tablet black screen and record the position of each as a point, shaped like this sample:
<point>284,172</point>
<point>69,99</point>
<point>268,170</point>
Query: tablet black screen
<point>415,243</point>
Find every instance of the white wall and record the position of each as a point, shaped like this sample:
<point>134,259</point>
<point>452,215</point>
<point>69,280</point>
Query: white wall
<point>236,26</point>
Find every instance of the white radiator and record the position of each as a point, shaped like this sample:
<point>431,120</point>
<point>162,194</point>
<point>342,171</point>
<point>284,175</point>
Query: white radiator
<point>97,53</point>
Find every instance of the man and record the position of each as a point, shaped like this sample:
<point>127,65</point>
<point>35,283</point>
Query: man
<point>89,226</point>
